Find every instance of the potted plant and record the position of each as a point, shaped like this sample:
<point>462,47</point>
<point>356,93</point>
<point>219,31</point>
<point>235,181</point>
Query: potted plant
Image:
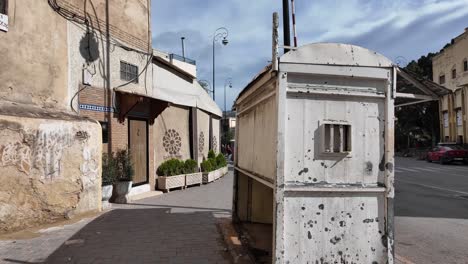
<point>192,176</point>
<point>109,175</point>
<point>125,172</point>
<point>222,164</point>
<point>171,175</point>
<point>208,171</point>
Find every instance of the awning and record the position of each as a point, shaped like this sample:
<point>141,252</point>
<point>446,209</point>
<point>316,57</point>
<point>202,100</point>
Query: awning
<point>171,84</point>
<point>129,100</point>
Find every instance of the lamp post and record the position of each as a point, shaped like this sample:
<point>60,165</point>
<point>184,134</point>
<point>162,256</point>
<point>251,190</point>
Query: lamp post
<point>227,82</point>
<point>219,33</point>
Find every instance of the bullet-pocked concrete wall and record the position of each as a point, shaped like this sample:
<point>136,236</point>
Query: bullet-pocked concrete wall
<point>51,170</point>
<point>172,135</point>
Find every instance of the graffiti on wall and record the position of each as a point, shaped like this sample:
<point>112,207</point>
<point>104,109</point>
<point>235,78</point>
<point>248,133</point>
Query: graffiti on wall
<point>41,149</point>
<point>172,143</point>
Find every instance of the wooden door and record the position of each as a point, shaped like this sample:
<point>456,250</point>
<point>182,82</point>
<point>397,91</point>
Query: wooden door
<point>138,145</point>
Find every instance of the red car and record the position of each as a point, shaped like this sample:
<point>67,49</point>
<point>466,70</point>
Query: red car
<point>448,154</point>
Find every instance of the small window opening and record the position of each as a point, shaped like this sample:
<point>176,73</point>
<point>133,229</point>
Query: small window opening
<point>442,79</point>
<point>454,73</point>
<point>105,132</point>
<point>4,7</point>
<point>337,138</point>
<point>128,72</point>
<point>465,65</point>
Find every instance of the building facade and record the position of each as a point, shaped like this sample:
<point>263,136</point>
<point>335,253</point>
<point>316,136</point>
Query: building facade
<point>62,64</point>
<point>450,69</point>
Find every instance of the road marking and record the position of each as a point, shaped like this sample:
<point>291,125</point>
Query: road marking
<point>406,169</point>
<point>396,170</point>
<point>433,187</point>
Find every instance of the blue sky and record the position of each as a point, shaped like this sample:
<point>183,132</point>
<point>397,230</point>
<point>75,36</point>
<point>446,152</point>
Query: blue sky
<point>402,30</point>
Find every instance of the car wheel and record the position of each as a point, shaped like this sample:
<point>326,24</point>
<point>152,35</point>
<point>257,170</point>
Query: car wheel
<point>443,161</point>
<point>428,160</point>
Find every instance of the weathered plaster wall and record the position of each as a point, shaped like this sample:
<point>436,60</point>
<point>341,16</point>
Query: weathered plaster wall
<point>172,135</point>
<point>33,64</point>
<point>51,170</point>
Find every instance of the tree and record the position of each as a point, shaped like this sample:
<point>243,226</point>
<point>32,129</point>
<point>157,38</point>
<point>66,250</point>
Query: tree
<point>419,122</point>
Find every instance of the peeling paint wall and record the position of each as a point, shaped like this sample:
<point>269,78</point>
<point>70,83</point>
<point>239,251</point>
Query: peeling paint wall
<point>53,170</point>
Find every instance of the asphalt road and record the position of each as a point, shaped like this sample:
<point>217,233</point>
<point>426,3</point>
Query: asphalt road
<point>431,209</point>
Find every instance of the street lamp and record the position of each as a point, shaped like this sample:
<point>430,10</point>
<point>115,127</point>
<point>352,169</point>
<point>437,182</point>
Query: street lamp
<point>227,82</point>
<point>219,33</point>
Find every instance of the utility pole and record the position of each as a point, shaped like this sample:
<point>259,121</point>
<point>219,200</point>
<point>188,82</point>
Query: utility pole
<point>183,47</point>
<point>286,29</point>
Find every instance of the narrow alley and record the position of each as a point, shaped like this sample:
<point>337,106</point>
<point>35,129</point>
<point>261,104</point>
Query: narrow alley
<point>178,227</point>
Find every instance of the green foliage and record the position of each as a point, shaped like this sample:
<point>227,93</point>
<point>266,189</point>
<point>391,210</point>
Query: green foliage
<point>211,154</point>
<point>220,161</point>
<point>207,166</point>
<point>175,167</point>
<point>125,169</point>
<point>109,170</point>
<point>190,166</point>
<point>419,122</point>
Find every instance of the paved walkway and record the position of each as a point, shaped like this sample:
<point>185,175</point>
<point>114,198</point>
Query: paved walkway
<point>178,227</point>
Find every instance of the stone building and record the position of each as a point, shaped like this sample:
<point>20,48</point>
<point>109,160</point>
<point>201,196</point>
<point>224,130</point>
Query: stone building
<point>62,63</point>
<point>450,69</point>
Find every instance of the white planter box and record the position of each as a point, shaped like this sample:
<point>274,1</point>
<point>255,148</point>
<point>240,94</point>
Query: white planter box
<point>209,176</point>
<point>168,183</point>
<point>106,195</point>
<point>194,178</point>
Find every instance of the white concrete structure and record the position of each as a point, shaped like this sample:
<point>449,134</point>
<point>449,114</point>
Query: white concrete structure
<point>314,155</point>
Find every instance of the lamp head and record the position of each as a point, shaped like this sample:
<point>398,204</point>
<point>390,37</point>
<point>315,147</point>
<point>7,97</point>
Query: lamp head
<point>225,41</point>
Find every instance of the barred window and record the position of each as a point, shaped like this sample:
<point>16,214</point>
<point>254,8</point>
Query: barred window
<point>3,6</point>
<point>128,72</point>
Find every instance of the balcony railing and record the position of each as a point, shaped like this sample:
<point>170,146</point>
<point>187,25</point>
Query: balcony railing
<point>180,58</point>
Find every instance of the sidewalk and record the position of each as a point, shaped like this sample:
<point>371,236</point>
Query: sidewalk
<point>178,227</point>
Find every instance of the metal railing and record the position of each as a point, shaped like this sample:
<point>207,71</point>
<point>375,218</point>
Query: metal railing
<point>173,56</point>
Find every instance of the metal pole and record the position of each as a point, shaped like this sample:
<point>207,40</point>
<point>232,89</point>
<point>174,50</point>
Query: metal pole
<point>286,29</point>
<point>214,82</point>
<point>183,47</point>
<point>293,8</point>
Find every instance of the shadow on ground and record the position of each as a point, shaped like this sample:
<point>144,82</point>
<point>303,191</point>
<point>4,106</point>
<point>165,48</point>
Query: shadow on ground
<point>145,236</point>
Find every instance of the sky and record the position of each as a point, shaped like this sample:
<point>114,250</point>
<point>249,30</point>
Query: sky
<point>402,30</point>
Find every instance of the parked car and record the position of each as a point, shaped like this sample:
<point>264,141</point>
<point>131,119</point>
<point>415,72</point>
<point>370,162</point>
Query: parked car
<point>446,154</point>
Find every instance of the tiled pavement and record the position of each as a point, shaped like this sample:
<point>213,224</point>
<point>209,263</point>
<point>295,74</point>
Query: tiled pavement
<point>178,227</point>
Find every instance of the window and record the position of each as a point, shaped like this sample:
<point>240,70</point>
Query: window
<point>336,138</point>
<point>454,73</point>
<point>442,79</point>
<point>105,131</point>
<point>3,15</point>
<point>128,72</point>
<point>465,65</point>
<point>459,118</point>
<point>446,119</point>
<point>4,7</point>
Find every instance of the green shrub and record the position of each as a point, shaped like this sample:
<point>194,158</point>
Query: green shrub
<point>190,166</point>
<point>109,169</point>
<point>171,167</point>
<point>125,169</point>
<point>220,161</point>
<point>206,166</point>
<point>211,154</point>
